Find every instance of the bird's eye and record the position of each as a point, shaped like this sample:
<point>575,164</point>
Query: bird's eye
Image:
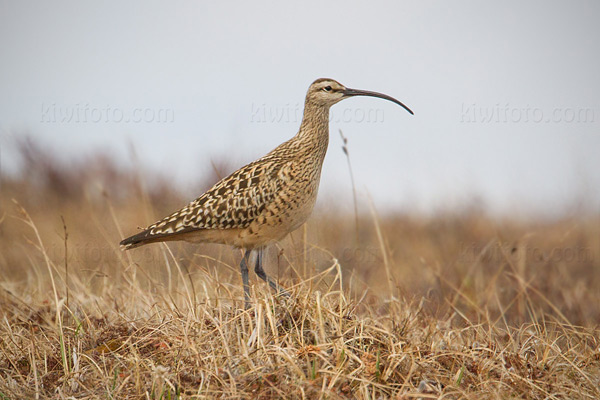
<point>327,88</point>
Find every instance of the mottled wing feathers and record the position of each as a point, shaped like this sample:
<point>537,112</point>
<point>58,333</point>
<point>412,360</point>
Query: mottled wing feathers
<point>233,202</point>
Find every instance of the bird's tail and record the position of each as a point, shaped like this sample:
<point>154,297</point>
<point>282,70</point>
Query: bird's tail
<point>137,240</point>
<point>147,237</point>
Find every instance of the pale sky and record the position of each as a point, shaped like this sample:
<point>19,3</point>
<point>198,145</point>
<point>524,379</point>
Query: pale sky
<point>506,95</point>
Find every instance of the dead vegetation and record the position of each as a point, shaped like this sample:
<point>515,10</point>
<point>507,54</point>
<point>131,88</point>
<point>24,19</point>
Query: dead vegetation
<point>453,306</point>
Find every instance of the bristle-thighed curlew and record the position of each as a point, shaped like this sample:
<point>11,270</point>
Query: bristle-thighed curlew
<point>265,200</point>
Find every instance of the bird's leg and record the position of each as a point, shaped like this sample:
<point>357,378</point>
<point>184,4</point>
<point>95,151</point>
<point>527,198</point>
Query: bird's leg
<point>244,271</point>
<point>260,272</point>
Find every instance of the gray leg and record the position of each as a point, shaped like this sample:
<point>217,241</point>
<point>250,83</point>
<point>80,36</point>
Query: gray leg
<point>260,272</point>
<point>244,271</point>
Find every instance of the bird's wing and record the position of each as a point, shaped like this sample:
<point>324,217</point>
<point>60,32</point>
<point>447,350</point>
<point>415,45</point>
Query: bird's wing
<point>233,202</point>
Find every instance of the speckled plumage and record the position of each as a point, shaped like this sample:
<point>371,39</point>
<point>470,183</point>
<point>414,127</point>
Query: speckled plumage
<point>265,200</point>
<point>258,204</point>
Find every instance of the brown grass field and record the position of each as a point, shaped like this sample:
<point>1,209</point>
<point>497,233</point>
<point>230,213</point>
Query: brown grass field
<point>459,305</point>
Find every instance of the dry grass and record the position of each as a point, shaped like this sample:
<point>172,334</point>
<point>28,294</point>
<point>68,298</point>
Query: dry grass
<point>456,306</point>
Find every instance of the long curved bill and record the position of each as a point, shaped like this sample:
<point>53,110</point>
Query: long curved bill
<point>355,92</point>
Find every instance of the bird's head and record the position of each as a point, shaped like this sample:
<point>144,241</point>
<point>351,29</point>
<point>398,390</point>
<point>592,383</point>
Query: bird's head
<point>327,92</point>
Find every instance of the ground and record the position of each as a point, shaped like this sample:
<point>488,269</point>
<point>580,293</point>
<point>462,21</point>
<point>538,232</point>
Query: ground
<point>457,305</point>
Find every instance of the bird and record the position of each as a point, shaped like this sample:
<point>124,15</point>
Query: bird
<point>265,200</point>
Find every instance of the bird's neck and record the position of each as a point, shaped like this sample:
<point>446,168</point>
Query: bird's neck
<point>314,130</point>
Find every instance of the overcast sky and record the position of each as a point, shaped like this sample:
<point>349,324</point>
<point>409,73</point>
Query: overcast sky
<point>506,95</point>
